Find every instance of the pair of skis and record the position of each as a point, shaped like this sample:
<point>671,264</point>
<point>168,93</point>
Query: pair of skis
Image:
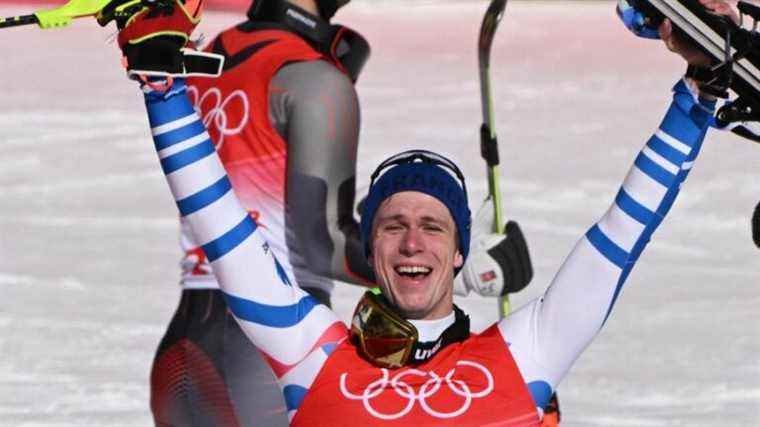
<point>733,47</point>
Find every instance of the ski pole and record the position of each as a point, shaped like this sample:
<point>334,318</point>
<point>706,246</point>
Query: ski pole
<point>58,17</point>
<point>489,148</point>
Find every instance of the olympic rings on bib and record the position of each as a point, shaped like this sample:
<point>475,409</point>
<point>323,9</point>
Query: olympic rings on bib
<point>216,118</point>
<point>427,390</point>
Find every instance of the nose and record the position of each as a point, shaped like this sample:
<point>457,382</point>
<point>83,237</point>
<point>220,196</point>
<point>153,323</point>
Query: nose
<point>412,242</point>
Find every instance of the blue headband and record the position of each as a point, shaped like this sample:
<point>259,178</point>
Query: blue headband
<point>423,177</point>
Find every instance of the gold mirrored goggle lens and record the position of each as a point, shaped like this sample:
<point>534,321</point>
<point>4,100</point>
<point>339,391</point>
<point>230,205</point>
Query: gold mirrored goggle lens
<point>383,339</point>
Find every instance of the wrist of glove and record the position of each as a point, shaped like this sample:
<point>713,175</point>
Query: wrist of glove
<point>154,36</point>
<point>498,264</point>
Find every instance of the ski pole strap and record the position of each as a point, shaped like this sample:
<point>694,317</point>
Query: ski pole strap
<point>184,63</point>
<point>714,81</point>
<point>489,147</point>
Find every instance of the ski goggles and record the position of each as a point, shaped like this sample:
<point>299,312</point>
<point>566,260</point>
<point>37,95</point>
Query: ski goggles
<point>383,337</point>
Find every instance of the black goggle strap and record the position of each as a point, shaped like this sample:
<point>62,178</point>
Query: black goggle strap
<point>423,156</point>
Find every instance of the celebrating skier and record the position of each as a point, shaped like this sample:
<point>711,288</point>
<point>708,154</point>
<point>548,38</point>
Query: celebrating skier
<point>409,357</point>
<point>284,118</point>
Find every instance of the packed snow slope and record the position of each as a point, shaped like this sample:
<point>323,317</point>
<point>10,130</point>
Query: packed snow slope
<point>88,230</point>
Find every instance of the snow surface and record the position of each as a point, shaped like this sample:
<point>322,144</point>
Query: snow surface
<point>88,232</point>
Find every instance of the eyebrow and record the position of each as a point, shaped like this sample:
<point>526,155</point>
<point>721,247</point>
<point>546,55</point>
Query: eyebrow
<point>423,219</point>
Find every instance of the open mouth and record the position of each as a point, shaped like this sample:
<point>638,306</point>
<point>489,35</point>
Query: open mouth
<point>415,272</point>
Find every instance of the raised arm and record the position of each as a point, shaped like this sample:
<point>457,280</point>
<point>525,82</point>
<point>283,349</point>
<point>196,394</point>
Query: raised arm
<point>549,334</point>
<point>289,326</point>
<point>293,331</point>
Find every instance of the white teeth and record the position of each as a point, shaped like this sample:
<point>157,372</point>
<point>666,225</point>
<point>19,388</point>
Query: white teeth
<point>408,269</point>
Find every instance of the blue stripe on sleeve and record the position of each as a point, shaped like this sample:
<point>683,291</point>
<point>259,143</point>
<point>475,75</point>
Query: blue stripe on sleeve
<point>275,316</point>
<point>166,108</point>
<point>654,171</point>
<point>663,149</point>
<point>632,208</point>
<point>684,122</point>
<point>541,392</point>
<point>678,124</point>
<point>204,197</point>
<point>179,135</point>
<point>229,240</point>
<point>614,253</point>
<point>329,348</point>
<point>685,118</point>
<point>294,395</point>
<point>186,157</point>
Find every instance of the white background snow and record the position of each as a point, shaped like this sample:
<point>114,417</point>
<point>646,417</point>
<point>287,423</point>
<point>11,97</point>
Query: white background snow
<point>88,231</point>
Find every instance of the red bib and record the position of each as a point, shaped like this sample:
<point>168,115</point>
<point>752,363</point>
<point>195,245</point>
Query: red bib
<point>235,108</point>
<point>473,383</point>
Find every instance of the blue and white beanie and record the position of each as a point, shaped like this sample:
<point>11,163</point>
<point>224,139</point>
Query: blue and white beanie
<point>426,177</point>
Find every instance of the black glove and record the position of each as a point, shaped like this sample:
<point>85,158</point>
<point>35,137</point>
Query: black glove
<point>154,36</point>
<point>497,264</point>
<point>513,257</point>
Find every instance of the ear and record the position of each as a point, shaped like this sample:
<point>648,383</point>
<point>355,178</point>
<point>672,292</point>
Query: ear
<point>458,259</point>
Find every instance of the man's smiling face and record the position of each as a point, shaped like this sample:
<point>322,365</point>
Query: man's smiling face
<point>414,253</point>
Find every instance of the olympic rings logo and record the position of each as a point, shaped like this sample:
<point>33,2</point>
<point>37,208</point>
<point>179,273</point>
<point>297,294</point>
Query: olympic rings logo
<point>428,389</point>
<point>217,114</point>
